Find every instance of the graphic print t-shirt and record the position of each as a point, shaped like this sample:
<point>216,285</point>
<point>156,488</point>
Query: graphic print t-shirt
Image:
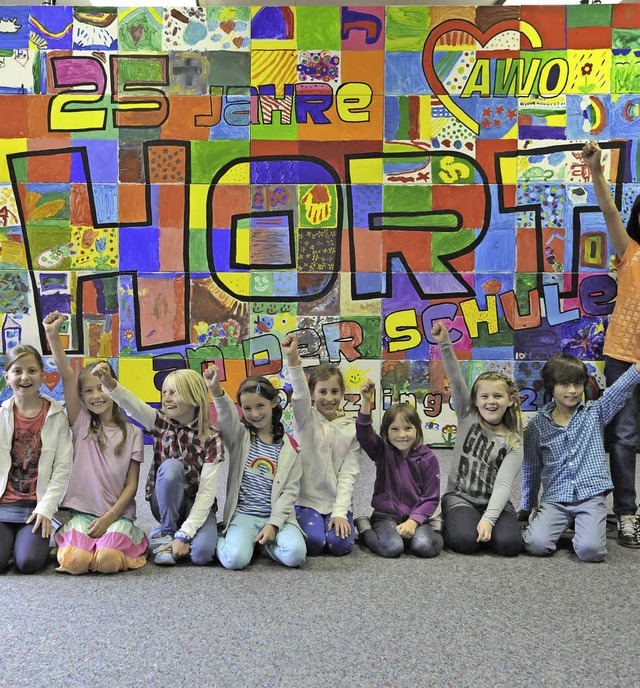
<point>25,455</point>
<point>254,498</point>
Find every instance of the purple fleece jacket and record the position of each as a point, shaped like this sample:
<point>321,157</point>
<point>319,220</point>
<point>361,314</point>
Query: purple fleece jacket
<point>404,488</point>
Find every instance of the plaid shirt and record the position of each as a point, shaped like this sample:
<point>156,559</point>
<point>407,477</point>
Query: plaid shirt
<point>174,441</point>
<point>570,460</point>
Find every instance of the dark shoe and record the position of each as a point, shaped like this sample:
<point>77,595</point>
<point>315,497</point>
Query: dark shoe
<point>629,531</point>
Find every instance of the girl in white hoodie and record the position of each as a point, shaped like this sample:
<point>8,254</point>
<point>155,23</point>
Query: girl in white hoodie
<point>329,452</point>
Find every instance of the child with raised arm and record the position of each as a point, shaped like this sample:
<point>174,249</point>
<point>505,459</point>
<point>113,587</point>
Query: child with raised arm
<point>487,458</point>
<point>107,453</point>
<point>264,476</point>
<point>187,453</point>
<point>564,450</point>
<point>406,491</point>
<point>329,453</point>
<point>35,460</point>
<point>621,349</point>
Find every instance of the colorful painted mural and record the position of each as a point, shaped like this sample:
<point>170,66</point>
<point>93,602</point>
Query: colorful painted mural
<point>191,184</point>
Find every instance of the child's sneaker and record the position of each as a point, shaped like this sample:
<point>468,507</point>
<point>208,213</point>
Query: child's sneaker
<point>164,557</point>
<point>629,531</point>
<point>158,537</point>
<point>362,523</point>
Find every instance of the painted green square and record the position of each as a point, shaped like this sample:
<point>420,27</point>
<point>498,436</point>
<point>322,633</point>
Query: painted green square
<point>198,251</point>
<point>229,69</point>
<point>444,243</point>
<point>53,206</point>
<point>46,239</point>
<point>407,28</point>
<point>452,169</point>
<point>133,70</point>
<point>503,337</point>
<point>579,16</point>
<point>261,284</point>
<point>625,39</point>
<point>371,347</point>
<point>545,56</point>
<point>412,198</point>
<point>625,73</point>
<point>207,157</point>
<point>140,30</point>
<point>20,169</point>
<point>524,283</point>
<point>318,28</point>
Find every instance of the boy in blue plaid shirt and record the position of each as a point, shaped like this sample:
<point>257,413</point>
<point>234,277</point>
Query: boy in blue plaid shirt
<point>564,450</point>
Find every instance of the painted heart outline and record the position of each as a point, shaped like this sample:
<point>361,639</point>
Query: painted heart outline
<point>482,38</point>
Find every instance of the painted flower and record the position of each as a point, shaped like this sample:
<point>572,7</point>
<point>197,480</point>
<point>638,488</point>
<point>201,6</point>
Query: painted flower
<point>587,68</point>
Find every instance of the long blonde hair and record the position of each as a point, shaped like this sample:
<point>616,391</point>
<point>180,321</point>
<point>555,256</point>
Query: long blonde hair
<point>189,386</point>
<point>512,416</point>
<point>96,432</point>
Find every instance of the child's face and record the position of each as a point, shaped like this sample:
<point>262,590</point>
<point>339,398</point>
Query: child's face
<point>568,395</point>
<point>25,376</point>
<point>327,396</point>
<point>402,435</point>
<point>174,406</point>
<point>257,410</point>
<point>94,398</point>
<point>492,400</point>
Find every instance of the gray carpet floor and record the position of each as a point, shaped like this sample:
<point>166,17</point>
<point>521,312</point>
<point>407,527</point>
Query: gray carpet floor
<point>355,621</point>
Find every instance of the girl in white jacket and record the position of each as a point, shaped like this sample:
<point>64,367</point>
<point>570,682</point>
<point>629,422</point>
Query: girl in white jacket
<point>35,462</point>
<point>329,452</point>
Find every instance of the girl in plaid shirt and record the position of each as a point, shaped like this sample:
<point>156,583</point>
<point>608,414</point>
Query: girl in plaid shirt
<point>187,453</point>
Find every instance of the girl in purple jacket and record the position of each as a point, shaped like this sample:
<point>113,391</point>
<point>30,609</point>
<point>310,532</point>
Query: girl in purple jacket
<point>407,487</point>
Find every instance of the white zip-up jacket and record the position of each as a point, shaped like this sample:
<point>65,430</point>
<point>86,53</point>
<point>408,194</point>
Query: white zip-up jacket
<point>329,451</point>
<point>54,465</point>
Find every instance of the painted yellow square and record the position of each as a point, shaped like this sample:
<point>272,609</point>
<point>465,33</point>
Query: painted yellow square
<point>277,67</point>
<point>366,170</point>
<point>589,71</point>
<point>509,170</point>
<point>240,173</point>
<point>8,146</point>
<point>243,246</point>
<point>137,375</point>
<point>236,283</point>
<point>198,206</point>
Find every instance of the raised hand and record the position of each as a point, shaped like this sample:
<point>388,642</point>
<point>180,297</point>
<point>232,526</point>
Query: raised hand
<point>290,347</point>
<point>211,377</point>
<point>440,333</point>
<point>53,322</point>
<point>592,156</point>
<point>103,373</point>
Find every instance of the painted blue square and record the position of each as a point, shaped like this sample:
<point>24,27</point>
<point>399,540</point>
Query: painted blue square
<point>139,248</point>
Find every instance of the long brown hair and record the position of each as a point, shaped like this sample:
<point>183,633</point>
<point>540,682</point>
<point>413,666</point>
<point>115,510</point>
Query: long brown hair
<point>406,411</point>
<point>96,432</point>
<point>258,384</point>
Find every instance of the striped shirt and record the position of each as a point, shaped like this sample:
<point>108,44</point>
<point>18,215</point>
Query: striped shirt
<point>254,498</point>
<point>569,460</point>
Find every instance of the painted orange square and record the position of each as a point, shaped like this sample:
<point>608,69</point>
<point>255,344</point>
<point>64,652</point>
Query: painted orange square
<point>14,122</point>
<point>181,122</point>
<point>486,151</point>
<point>80,206</point>
<point>229,200</point>
<point>39,118</point>
<point>625,16</point>
<point>171,210</point>
<point>132,204</point>
<point>549,21</point>
<point>54,169</point>
<point>589,37</point>
<point>468,200</point>
<point>273,148</point>
<point>526,250</point>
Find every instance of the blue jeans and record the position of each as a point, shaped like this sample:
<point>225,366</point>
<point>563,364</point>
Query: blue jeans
<point>235,547</point>
<point>383,539</point>
<point>170,507</point>
<point>621,437</point>
<point>590,524</point>
<point>316,527</point>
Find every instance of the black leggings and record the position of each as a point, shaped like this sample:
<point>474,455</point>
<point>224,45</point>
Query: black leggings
<point>460,519</point>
